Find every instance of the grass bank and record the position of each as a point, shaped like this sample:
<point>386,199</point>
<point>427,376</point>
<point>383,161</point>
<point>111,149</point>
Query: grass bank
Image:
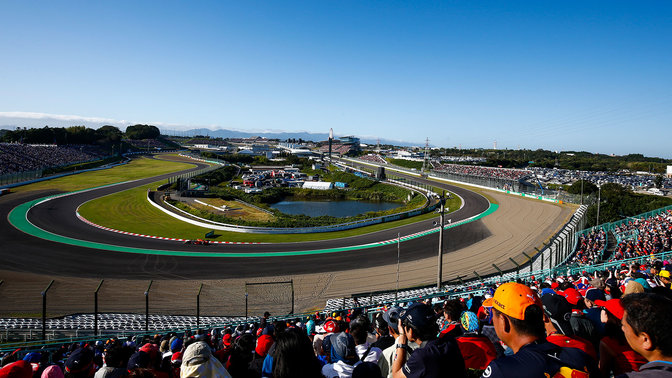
<point>137,168</point>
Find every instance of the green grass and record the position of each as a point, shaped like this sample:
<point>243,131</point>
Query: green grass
<point>130,211</point>
<point>138,168</point>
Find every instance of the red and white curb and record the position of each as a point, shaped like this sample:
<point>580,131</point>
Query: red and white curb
<point>81,218</point>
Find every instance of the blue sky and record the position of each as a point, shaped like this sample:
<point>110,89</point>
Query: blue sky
<point>560,75</point>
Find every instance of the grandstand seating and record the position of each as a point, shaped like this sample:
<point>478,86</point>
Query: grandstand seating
<point>15,157</point>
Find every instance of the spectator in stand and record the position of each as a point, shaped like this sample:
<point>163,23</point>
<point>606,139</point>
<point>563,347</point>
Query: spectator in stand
<point>477,350</point>
<point>80,363</point>
<point>264,344</point>
<point>519,323</point>
<point>452,309</point>
<point>359,329</point>
<point>581,325</point>
<point>294,357</point>
<point>241,356</point>
<point>18,369</point>
<point>434,357</point>
<point>55,371</point>
<point>328,328</point>
<point>665,278</point>
<point>592,311</point>
<point>343,357</point>
<point>384,340</point>
<point>366,370</point>
<point>391,316</point>
<point>198,361</point>
<point>115,363</point>
<point>645,323</point>
<point>615,354</point>
<point>558,328</point>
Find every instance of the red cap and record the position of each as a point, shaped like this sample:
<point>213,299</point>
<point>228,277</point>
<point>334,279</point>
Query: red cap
<point>613,306</point>
<point>18,369</point>
<point>264,343</point>
<point>573,296</point>
<point>177,356</point>
<point>330,326</point>
<point>226,339</point>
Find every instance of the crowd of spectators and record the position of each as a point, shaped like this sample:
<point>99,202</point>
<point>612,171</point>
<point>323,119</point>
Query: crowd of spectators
<point>480,171</point>
<point>17,157</point>
<point>643,237</point>
<point>626,179</point>
<point>154,144</point>
<point>590,247</point>
<point>374,158</point>
<point>612,322</point>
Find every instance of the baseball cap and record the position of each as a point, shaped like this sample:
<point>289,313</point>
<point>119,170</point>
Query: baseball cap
<point>613,306</point>
<point>513,299</point>
<point>391,316</point>
<point>594,294</point>
<point>18,369</point>
<point>573,296</point>
<point>80,360</point>
<point>330,326</point>
<point>419,315</point>
<point>343,347</point>
<point>664,273</point>
<point>559,311</point>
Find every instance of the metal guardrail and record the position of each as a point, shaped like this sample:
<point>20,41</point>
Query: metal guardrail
<point>304,230</point>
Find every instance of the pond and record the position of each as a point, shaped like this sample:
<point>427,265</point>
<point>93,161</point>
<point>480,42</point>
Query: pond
<point>334,208</point>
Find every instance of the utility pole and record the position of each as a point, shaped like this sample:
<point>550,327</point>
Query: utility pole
<point>599,193</point>
<point>396,292</point>
<point>439,272</point>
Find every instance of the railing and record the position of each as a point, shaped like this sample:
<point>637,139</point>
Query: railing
<point>287,230</point>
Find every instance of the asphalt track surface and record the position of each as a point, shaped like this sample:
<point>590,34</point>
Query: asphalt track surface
<point>21,252</point>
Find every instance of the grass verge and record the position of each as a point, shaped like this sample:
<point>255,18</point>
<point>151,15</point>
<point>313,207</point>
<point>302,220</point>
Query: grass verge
<point>137,168</point>
<point>130,211</point>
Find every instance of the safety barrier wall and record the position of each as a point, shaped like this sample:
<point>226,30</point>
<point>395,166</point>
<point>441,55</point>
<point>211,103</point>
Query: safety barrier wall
<point>190,218</point>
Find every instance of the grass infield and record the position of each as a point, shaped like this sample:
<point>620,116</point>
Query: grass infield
<point>137,168</point>
<point>130,211</point>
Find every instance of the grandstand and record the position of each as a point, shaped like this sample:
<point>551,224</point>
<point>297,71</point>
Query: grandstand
<point>16,157</point>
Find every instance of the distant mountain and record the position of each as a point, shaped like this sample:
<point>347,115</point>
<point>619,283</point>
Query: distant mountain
<point>32,120</point>
<point>282,135</point>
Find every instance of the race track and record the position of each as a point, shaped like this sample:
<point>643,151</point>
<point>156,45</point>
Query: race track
<point>29,262</point>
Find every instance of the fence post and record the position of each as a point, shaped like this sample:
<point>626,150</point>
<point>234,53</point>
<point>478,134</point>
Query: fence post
<point>147,306</point>
<point>292,283</point>
<point>198,307</point>
<point>44,310</point>
<point>478,276</point>
<point>95,309</point>
<point>529,259</point>
<point>499,270</point>
<point>517,266</point>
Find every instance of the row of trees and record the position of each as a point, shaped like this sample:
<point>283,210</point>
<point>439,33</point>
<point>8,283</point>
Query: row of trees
<point>579,160</point>
<point>104,135</point>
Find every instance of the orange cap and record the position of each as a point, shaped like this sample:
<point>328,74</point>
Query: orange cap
<point>513,299</point>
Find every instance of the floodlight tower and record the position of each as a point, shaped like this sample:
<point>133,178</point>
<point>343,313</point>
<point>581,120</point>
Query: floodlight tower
<point>331,138</point>
<point>425,163</point>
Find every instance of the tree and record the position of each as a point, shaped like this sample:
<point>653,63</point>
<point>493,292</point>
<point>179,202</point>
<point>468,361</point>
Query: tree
<point>658,181</point>
<point>588,187</point>
<point>142,132</point>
